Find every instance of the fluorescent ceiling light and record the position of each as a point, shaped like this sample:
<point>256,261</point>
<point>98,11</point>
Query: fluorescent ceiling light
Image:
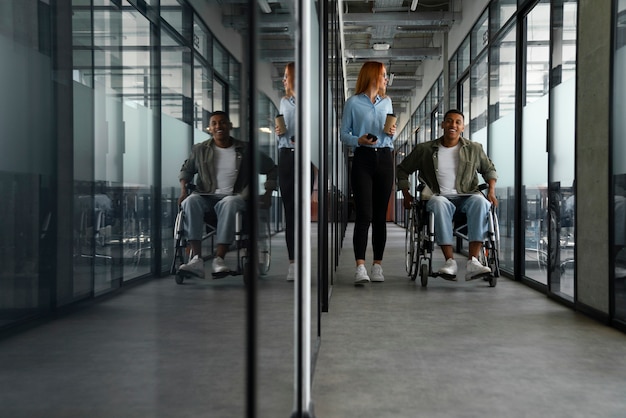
<point>383,46</point>
<point>414,5</point>
<point>265,6</point>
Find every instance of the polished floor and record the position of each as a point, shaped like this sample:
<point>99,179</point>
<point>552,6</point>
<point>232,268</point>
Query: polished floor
<point>392,349</point>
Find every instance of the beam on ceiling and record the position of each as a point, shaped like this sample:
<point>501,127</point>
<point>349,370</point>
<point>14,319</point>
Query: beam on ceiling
<point>402,54</point>
<point>401,19</point>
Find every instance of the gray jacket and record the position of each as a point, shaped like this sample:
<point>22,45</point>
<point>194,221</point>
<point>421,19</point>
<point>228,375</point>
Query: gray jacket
<point>472,160</point>
<point>200,162</point>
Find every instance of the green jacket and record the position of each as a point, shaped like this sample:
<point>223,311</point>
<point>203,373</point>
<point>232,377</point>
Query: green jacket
<point>200,162</point>
<point>423,158</point>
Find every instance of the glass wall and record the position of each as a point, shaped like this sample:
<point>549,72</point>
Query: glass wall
<point>27,165</point>
<point>502,82</point>
<point>535,113</point>
<point>544,124</point>
<point>561,240</point>
<point>129,103</point>
<point>619,158</point>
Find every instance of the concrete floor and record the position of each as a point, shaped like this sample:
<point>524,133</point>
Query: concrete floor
<point>391,349</point>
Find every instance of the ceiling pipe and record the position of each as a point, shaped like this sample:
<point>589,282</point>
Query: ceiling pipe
<point>343,49</point>
<point>265,6</point>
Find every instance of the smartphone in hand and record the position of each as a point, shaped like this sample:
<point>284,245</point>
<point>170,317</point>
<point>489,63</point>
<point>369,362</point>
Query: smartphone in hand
<point>372,137</point>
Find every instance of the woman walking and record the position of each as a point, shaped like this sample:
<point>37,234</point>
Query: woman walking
<point>362,127</point>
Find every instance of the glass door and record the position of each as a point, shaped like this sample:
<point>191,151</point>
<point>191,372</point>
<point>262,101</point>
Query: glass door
<point>561,239</point>
<point>535,113</point>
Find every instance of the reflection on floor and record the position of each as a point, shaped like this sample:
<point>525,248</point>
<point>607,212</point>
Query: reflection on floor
<point>461,349</point>
<point>391,349</point>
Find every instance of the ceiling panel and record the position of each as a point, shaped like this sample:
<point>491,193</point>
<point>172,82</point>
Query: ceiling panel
<point>383,30</point>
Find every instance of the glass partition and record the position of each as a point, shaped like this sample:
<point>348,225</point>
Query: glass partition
<point>562,213</point>
<point>480,35</point>
<point>502,137</point>
<point>500,11</point>
<point>535,113</point>
<point>27,152</point>
<point>479,100</point>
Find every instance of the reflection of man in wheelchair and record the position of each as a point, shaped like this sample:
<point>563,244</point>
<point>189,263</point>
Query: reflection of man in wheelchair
<point>448,167</point>
<point>221,165</point>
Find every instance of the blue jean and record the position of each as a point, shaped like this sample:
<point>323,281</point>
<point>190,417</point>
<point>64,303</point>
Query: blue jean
<point>475,207</point>
<point>224,207</point>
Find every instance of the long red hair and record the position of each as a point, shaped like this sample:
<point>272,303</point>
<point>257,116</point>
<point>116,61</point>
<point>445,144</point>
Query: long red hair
<point>368,75</point>
<point>291,83</point>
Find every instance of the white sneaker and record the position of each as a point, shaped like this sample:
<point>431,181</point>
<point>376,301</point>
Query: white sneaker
<point>219,266</point>
<point>475,269</point>
<point>377,273</point>
<point>360,275</point>
<point>448,271</point>
<point>195,267</point>
<point>291,274</point>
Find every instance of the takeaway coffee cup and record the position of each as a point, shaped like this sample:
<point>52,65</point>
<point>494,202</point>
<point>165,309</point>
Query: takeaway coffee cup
<point>389,122</point>
<point>280,124</point>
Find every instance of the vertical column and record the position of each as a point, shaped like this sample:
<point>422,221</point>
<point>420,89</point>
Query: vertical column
<point>593,155</point>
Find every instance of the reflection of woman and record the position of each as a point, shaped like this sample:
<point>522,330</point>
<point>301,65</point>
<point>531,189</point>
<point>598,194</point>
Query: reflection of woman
<point>286,160</point>
<point>372,165</point>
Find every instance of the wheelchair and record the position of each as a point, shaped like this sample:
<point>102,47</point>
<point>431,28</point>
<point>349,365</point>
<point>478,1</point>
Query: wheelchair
<point>183,253</point>
<point>420,241</point>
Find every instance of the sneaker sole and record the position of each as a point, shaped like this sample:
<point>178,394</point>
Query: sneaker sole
<point>220,274</point>
<point>361,281</point>
<point>477,276</point>
<point>377,280</point>
<point>450,277</point>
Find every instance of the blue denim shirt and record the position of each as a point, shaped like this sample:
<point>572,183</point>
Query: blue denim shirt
<point>288,110</point>
<point>361,116</point>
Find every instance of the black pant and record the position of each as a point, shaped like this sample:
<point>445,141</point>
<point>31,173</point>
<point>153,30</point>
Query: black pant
<point>372,182</point>
<point>286,181</point>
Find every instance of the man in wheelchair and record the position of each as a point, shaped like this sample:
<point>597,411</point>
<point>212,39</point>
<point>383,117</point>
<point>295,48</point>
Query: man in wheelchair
<point>221,166</point>
<point>449,167</point>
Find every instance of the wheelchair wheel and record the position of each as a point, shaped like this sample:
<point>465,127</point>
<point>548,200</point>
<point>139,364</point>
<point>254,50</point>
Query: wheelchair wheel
<point>493,281</point>
<point>493,259</point>
<point>416,256</point>
<point>424,270</point>
<point>265,249</point>
<point>409,245</point>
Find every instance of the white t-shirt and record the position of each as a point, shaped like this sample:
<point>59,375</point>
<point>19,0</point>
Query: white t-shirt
<point>225,160</point>
<point>446,173</point>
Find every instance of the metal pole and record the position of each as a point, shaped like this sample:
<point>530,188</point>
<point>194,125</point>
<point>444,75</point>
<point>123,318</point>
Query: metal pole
<point>251,214</point>
<point>302,288</point>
